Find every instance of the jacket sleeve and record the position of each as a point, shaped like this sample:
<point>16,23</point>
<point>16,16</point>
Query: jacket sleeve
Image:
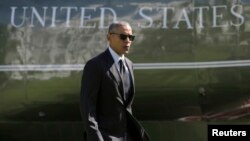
<point>88,100</point>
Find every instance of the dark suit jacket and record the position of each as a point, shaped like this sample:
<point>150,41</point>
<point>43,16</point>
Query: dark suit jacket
<point>106,115</point>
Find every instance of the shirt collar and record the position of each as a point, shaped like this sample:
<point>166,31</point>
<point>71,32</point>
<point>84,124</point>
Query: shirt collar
<point>115,56</point>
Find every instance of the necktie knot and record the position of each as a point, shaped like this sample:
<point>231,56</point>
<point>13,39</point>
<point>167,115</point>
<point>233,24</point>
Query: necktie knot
<point>122,67</point>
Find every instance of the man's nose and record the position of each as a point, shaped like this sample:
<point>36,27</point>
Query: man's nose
<point>127,39</point>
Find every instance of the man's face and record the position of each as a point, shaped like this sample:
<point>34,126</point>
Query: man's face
<point>119,45</point>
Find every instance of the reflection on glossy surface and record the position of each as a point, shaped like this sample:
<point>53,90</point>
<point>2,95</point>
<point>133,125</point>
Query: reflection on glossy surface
<point>203,74</point>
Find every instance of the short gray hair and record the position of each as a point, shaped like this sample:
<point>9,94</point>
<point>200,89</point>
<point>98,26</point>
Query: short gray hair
<point>117,24</point>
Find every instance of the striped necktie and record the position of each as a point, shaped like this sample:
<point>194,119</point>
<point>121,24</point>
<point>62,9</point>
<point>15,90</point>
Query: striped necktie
<point>125,79</point>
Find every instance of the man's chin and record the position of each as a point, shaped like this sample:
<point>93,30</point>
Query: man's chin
<point>126,52</point>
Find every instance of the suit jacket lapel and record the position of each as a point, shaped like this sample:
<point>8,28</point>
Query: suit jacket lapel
<point>130,71</point>
<point>132,81</point>
<point>116,76</point>
<point>115,73</point>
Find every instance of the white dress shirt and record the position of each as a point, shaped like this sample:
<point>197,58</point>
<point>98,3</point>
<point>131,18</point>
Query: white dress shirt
<point>117,58</point>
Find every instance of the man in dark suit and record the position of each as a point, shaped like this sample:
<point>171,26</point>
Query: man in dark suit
<point>107,91</point>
